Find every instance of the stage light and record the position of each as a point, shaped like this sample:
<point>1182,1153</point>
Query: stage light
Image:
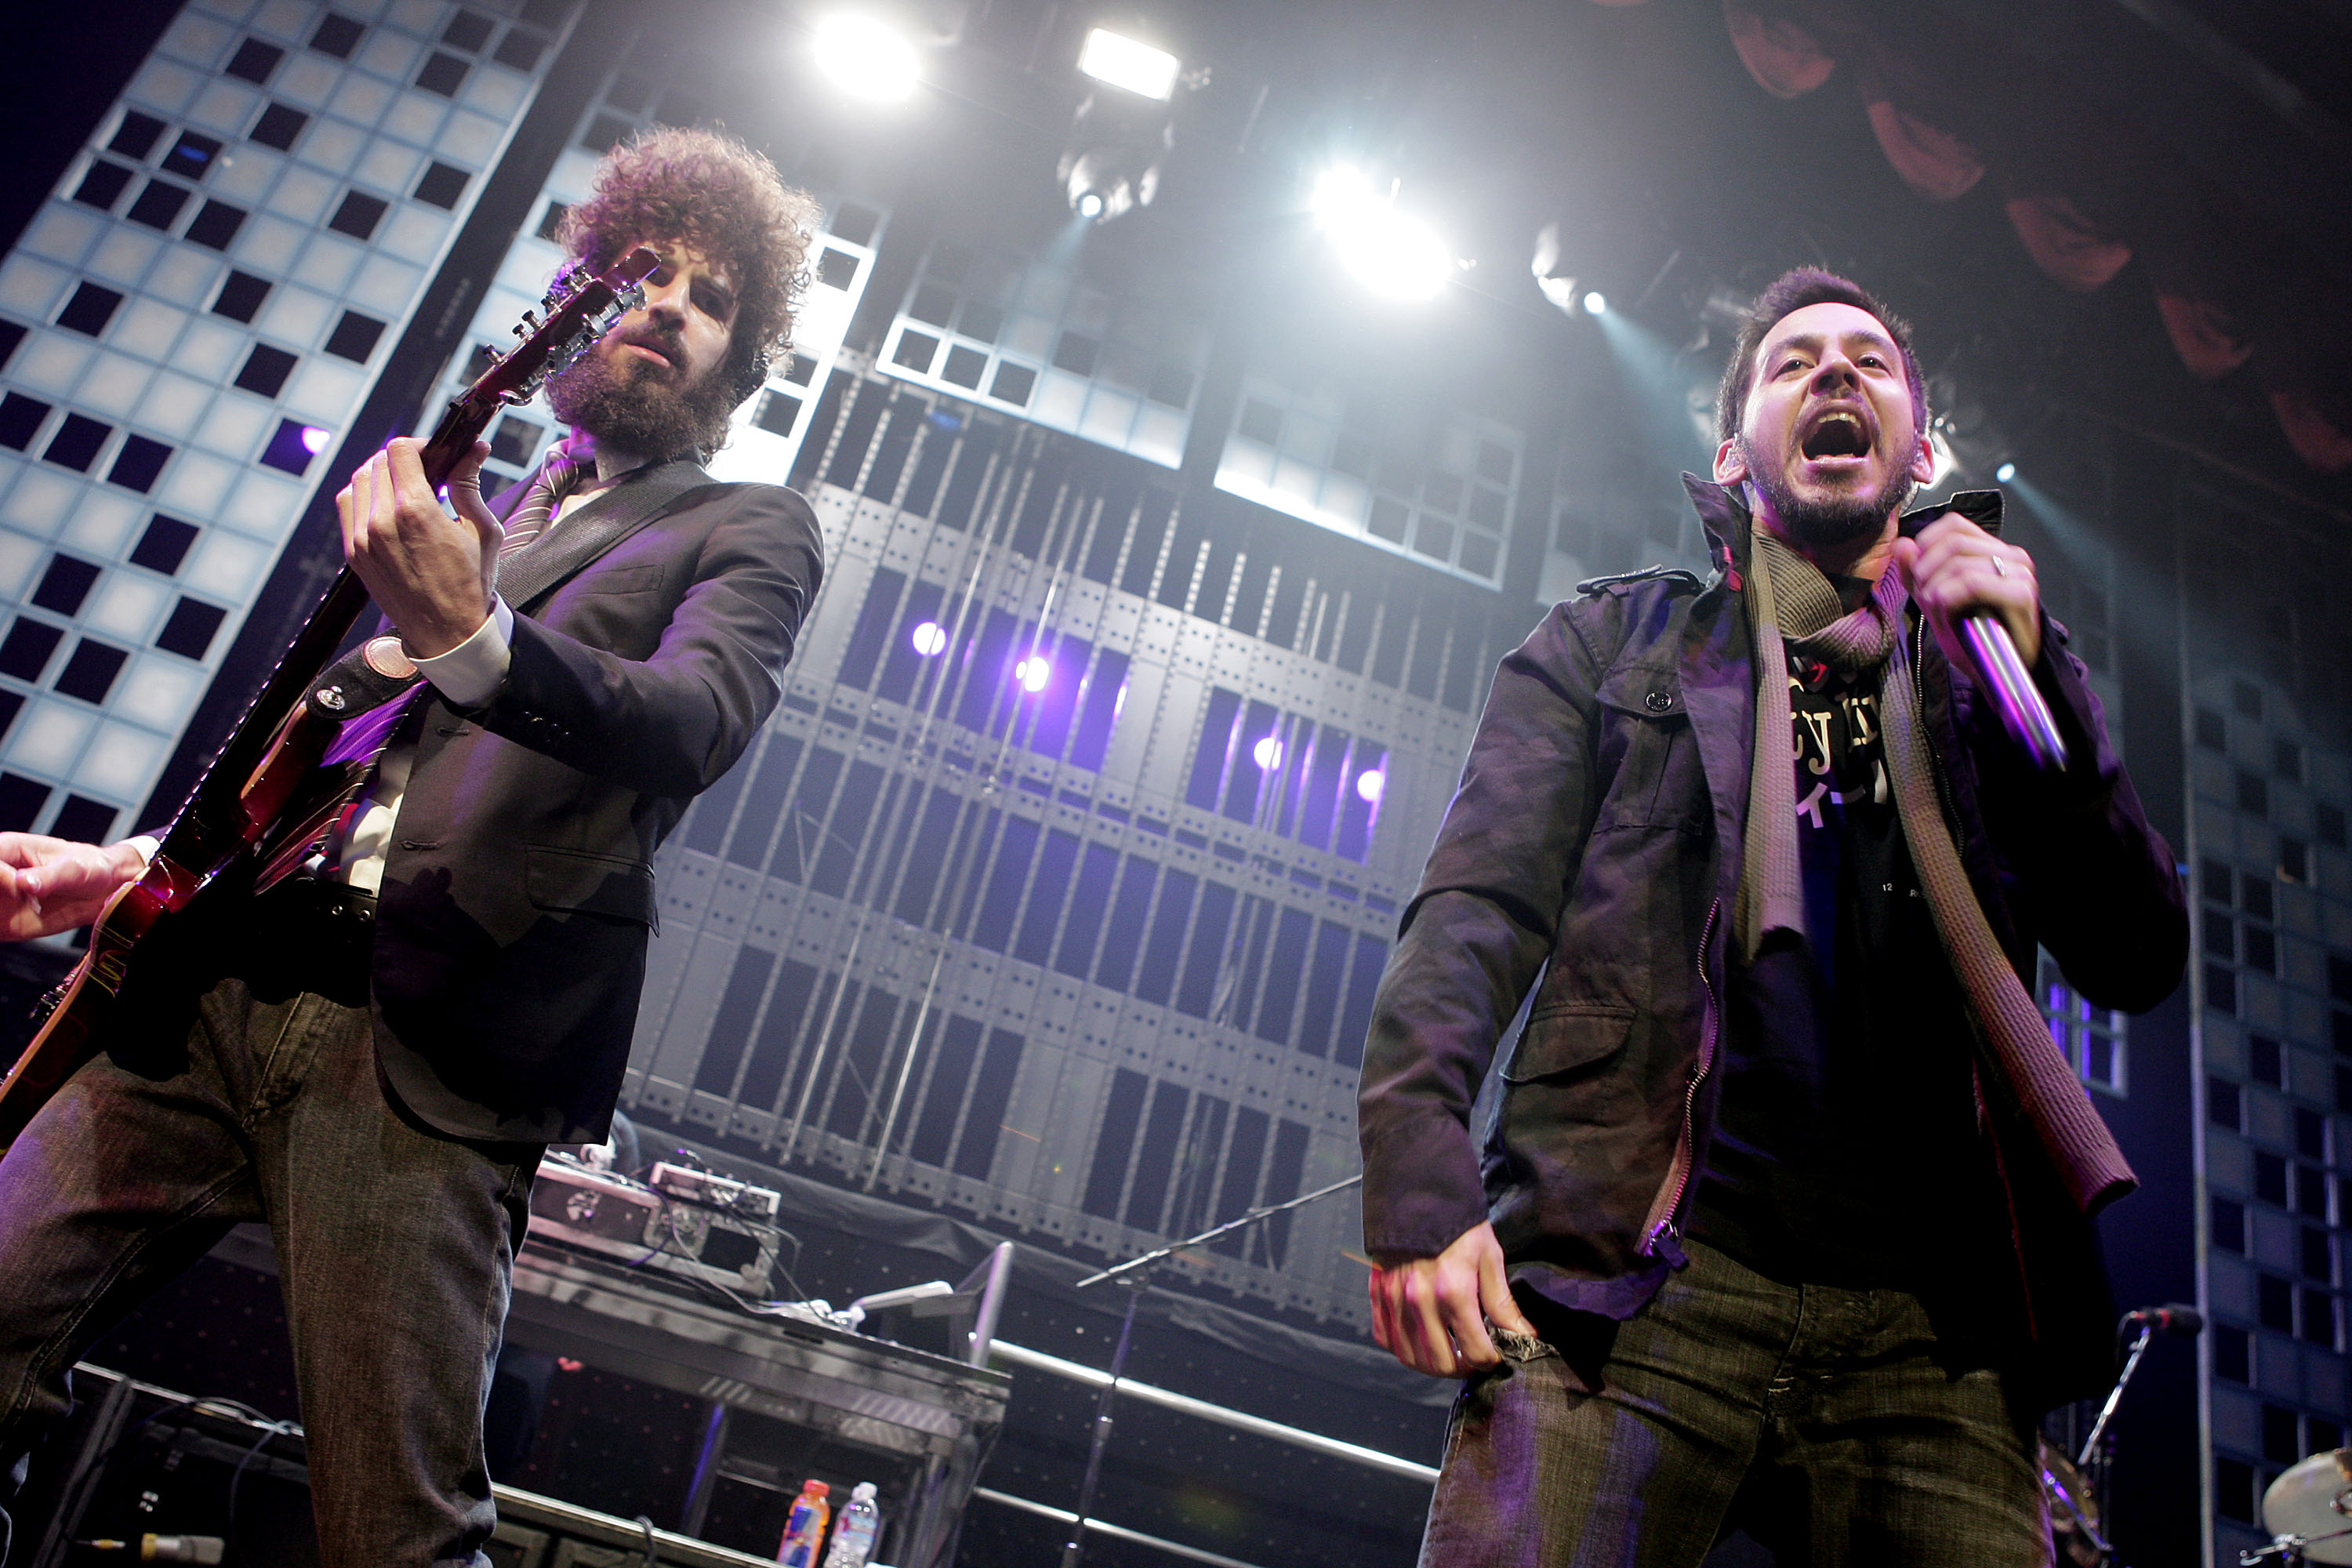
<point>1032,673</point>
<point>1370,783</point>
<point>1556,283</point>
<point>1391,253</point>
<point>1941,451</point>
<point>1124,62</point>
<point>1110,161</point>
<point>865,57</point>
<point>930,639</point>
<point>2005,473</point>
<point>1596,303</point>
<point>1267,753</point>
<point>314,440</point>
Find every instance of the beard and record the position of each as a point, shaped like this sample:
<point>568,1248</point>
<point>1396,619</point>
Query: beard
<point>1828,524</point>
<point>639,412</point>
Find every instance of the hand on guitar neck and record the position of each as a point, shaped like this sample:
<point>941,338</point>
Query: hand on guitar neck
<point>51,885</point>
<point>432,574</point>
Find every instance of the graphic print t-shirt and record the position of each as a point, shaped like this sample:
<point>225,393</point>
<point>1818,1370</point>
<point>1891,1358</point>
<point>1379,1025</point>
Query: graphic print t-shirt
<point>1845,1149</point>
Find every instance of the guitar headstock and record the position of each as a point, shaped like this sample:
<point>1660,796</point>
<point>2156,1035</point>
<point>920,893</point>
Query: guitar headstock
<point>579,307</point>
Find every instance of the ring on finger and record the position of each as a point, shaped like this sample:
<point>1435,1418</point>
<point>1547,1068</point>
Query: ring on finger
<point>2000,567</point>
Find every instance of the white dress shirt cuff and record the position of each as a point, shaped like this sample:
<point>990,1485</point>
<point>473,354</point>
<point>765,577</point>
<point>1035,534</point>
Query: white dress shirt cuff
<point>471,673</point>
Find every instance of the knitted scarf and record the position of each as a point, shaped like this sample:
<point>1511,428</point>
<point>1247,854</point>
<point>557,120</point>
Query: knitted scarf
<point>1791,606</point>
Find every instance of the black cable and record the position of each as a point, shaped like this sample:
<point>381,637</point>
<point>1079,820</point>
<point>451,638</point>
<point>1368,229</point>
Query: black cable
<point>209,1406</point>
<point>236,1477</point>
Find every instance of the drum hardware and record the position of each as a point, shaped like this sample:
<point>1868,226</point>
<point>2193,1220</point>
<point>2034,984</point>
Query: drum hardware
<point>2308,1511</point>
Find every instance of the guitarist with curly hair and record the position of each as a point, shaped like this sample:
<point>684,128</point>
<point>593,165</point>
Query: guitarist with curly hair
<point>371,1054</point>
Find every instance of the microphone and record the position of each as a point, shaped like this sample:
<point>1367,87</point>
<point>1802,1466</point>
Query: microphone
<point>2172,1318</point>
<point>2022,711</point>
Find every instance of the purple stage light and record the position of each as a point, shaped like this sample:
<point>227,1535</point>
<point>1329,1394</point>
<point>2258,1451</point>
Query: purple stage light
<point>1032,673</point>
<point>1370,783</point>
<point>930,639</point>
<point>1267,753</point>
<point>314,440</point>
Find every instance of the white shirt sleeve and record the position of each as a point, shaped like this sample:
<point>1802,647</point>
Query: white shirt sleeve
<point>471,673</point>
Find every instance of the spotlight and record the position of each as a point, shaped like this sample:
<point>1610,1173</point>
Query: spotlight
<point>1941,450</point>
<point>314,440</point>
<point>1391,253</point>
<point>865,57</point>
<point>1370,783</point>
<point>1032,673</point>
<point>2005,473</point>
<point>1110,161</point>
<point>1124,62</point>
<point>930,639</point>
<point>1267,753</point>
<point>1596,303</point>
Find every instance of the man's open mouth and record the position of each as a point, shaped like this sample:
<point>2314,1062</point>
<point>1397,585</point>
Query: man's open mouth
<point>1837,433</point>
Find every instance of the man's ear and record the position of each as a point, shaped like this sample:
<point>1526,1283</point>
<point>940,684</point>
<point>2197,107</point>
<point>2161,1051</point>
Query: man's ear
<point>1730,462</point>
<point>1923,459</point>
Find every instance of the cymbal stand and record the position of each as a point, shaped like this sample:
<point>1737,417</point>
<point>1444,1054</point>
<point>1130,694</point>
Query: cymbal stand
<point>2288,1549</point>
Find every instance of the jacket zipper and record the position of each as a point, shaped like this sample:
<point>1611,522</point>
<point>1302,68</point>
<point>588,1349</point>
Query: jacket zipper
<point>1662,1227</point>
<point>1919,698</point>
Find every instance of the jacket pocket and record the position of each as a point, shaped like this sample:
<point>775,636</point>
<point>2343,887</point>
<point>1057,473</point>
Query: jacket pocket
<point>1647,758</point>
<point>1566,1036</point>
<point>639,579</point>
<point>581,881</point>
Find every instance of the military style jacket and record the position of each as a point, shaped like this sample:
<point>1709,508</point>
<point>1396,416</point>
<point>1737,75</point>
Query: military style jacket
<point>1590,856</point>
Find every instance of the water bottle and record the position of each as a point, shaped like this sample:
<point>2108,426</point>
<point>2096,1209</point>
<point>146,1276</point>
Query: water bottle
<point>805,1526</point>
<point>853,1543</point>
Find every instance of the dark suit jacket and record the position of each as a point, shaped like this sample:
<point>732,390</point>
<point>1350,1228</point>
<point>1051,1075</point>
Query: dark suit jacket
<point>518,899</point>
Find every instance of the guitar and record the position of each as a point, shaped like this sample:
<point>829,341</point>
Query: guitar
<point>266,790</point>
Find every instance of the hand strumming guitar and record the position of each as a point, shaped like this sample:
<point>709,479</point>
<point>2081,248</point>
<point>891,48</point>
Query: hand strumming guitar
<point>51,885</point>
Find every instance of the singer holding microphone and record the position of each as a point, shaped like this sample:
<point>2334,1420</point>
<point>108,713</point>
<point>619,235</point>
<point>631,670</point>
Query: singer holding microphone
<point>1782,1220</point>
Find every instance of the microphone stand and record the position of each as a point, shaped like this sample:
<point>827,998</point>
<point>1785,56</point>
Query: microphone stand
<point>2115,1396</point>
<point>1135,1274</point>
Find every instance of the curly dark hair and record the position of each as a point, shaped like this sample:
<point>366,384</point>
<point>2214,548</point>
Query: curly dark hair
<point>1785,295</point>
<point>714,195</point>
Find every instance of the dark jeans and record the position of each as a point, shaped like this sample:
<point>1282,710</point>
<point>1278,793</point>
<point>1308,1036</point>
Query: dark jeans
<point>394,1243</point>
<point>1820,1421</point>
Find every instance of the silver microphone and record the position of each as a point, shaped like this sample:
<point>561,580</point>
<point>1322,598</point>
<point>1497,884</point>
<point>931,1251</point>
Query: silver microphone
<point>2022,711</point>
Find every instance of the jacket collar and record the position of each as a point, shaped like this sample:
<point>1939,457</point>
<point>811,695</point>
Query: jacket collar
<point>596,527</point>
<point>1723,512</point>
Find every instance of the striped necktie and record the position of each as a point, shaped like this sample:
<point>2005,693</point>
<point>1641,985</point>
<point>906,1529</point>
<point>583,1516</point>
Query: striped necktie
<point>558,478</point>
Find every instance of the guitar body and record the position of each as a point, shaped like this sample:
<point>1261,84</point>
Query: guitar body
<point>267,796</point>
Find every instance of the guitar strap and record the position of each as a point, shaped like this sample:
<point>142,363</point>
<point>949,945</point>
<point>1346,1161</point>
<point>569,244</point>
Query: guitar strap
<point>546,564</point>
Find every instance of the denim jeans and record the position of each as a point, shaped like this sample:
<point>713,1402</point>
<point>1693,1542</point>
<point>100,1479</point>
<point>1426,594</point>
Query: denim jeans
<point>394,1243</point>
<point>1820,1421</point>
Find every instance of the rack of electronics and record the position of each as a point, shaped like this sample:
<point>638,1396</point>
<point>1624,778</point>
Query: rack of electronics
<point>666,1279</point>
